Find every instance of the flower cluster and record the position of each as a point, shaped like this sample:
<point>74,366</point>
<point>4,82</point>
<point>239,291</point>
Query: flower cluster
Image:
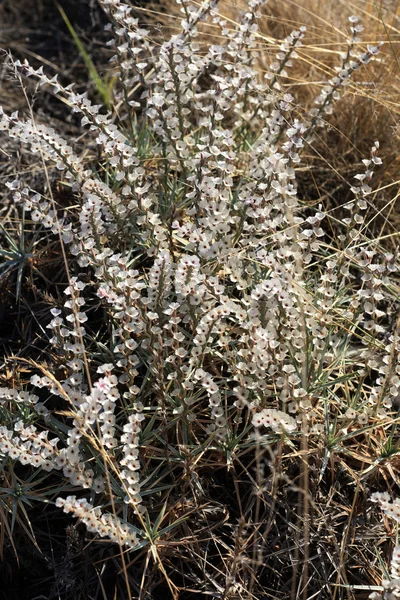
<point>103,524</point>
<point>28,445</point>
<point>130,461</point>
<point>276,420</point>
<point>353,59</point>
<point>392,509</point>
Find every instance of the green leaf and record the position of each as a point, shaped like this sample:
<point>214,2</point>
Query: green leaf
<point>104,89</point>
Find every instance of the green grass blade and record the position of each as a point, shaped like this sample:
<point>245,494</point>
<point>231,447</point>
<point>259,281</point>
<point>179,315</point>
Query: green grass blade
<point>102,88</point>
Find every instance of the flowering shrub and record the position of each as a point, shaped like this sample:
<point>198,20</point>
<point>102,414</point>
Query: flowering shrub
<point>245,327</point>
